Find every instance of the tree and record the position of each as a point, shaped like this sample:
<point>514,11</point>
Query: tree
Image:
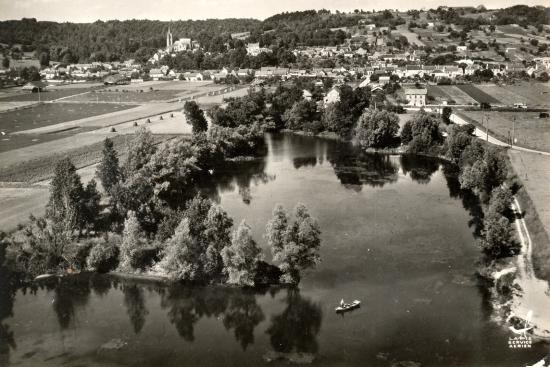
<point>301,113</point>
<point>376,128</point>
<point>241,258</point>
<point>497,240</point>
<point>132,240</point>
<point>66,192</point>
<point>181,255</point>
<point>140,151</point>
<point>6,62</point>
<point>457,141</point>
<point>406,133</point>
<point>90,205</point>
<point>446,114</point>
<point>44,59</point>
<point>424,131</point>
<point>108,171</point>
<point>217,232</point>
<point>276,230</point>
<point>501,200</point>
<point>297,248</point>
<point>195,117</point>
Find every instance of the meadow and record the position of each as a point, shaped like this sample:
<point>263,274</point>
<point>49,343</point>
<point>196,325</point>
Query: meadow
<point>532,94</point>
<point>54,113</point>
<point>530,130</point>
<point>47,95</point>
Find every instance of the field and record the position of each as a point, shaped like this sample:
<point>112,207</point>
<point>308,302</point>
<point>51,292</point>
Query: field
<point>53,113</point>
<point>455,93</point>
<point>125,96</point>
<point>530,131</point>
<point>48,95</point>
<point>477,94</point>
<point>532,94</point>
<point>10,142</point>
<point>532,170</point>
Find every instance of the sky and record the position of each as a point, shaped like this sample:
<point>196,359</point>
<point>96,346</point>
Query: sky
<point>82,11</point>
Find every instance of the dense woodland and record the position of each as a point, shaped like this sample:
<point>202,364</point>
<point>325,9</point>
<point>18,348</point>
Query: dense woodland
<point>118,40</point>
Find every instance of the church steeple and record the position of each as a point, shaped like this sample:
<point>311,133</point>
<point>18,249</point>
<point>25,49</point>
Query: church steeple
<point>169,40</point>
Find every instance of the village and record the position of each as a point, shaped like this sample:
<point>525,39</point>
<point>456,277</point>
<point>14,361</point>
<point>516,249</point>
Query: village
<point>330,187</point>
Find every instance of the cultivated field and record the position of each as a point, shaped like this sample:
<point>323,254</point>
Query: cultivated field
<point>47,95</point>
<point>121,95</point>
<point>532,94</point>
<point>530,131</point>
<point>53,113</point>
<point>477,94</point>
<point>456,94</point>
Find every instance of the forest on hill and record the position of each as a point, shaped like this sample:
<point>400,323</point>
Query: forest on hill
<point>119,40</point>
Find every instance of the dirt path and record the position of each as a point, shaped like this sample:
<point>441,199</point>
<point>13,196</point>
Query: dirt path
<point>535,293</point>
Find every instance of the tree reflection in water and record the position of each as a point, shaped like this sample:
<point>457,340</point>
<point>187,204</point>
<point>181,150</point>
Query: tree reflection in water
<point>8,288</point>
<point>135,306</point>
<point>299,162</point>
<point>242,174</point>
<point>69,294</point>
<point>237,307</point>
<point>243,314</point>
<point>355,169</point>
<point>470,201</point>
<point>419,168</point>
<point>295,329</point>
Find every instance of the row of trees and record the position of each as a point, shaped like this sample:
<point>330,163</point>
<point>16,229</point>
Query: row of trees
<point>483,170</point>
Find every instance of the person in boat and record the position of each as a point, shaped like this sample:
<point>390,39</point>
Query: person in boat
<point>342,304</point>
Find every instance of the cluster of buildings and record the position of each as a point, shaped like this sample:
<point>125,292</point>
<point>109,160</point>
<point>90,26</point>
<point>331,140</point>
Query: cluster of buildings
<point>173,47</point>
<point>93,70</point>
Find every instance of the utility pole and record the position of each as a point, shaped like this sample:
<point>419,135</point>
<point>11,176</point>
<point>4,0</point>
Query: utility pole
<point>513,131</point>
<point>487,126</point>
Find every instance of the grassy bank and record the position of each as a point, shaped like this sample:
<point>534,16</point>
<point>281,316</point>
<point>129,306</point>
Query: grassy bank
<point>539,236</point>
<point>41,169</point>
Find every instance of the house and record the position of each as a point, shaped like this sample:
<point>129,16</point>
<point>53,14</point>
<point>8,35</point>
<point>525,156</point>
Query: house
<point>240,36</point>
<point>384,79</point>
<point>254,49</point>
<point>416,96</point>
<point>193,77</point>
<point>156,74</point>
<point>332,97</point>
<point>307,95</point>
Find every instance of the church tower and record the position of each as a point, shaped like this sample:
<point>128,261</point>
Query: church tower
<point>169,40</point>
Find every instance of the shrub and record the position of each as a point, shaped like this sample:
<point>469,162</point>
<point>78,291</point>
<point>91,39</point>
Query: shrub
<point>103,257</point>
<point>145,257</point>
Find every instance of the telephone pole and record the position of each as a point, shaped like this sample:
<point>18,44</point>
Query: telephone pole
<point>513,131</point>
<point>487,126</point>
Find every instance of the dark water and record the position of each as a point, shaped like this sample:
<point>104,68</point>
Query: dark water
<point>398,234</point>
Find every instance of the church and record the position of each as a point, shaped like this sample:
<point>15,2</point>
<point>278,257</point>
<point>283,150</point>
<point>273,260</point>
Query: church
<point>183,44</point>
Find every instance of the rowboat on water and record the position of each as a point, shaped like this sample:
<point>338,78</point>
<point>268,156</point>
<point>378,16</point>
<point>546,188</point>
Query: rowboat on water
<point>344,307</point>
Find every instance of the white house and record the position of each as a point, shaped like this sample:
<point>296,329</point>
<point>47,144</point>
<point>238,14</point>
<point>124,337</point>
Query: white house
<point>416,96</point>
<point>332,97</point>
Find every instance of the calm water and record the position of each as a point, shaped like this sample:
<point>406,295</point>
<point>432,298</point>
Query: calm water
<point>398,234</point>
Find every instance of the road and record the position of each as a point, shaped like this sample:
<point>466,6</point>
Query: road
<point>491,139</point>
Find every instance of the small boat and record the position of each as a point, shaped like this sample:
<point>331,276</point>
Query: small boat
<point>344,307</point>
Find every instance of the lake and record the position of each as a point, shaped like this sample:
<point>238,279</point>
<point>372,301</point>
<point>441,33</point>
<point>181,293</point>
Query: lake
<point>398,234</point>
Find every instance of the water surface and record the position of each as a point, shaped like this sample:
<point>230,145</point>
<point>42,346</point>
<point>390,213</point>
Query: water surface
<point>398,234</point>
